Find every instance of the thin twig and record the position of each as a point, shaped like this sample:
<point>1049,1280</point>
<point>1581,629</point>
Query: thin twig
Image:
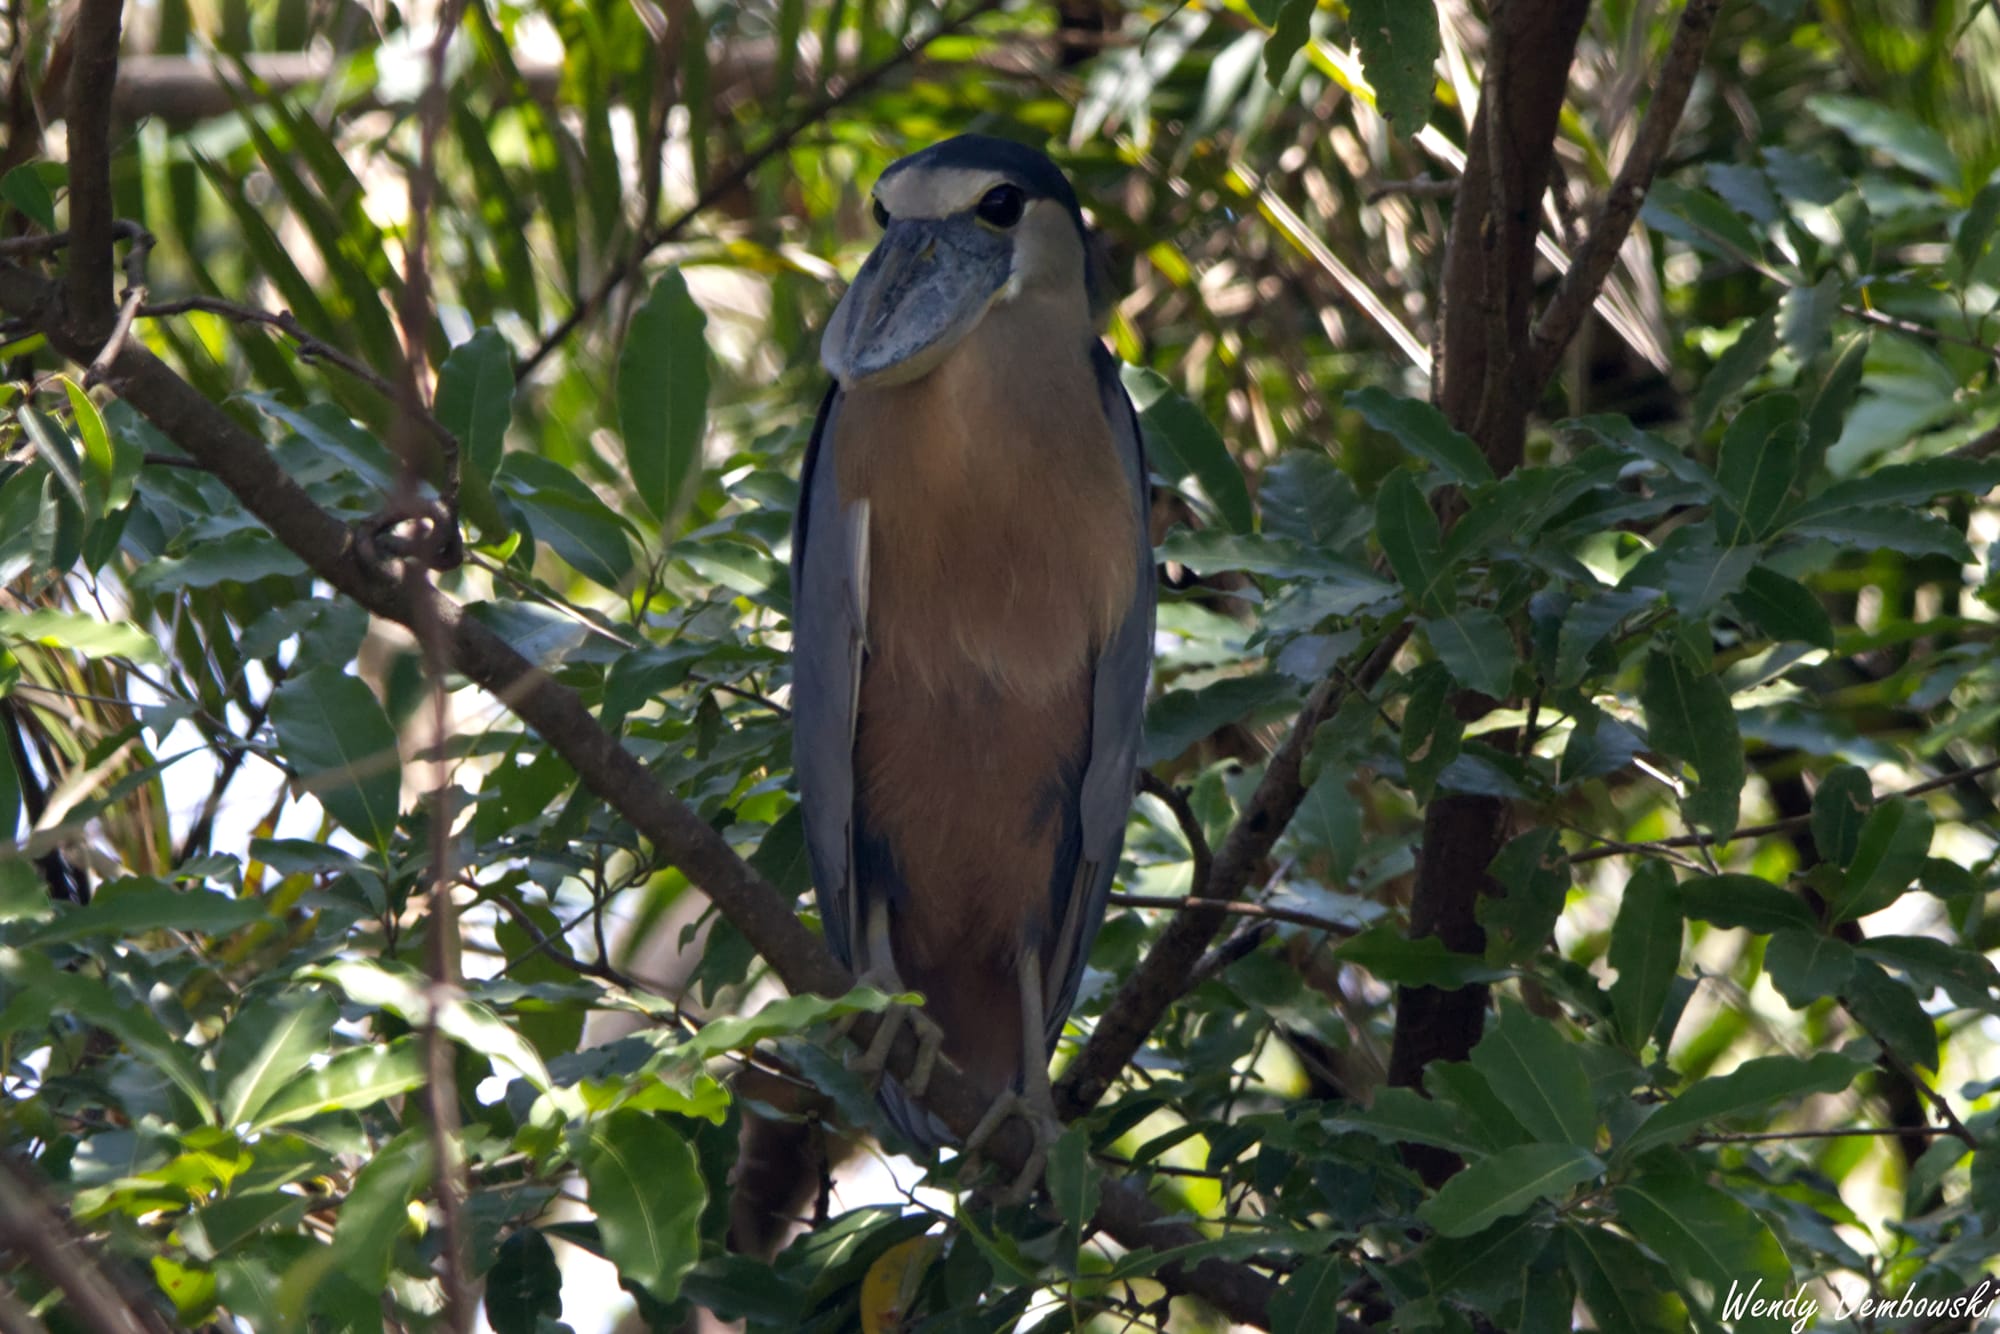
<point>120,331</point>
<point>727,183</point>
<point>1772,827</point>
<point>1761,1136</point>
<point>1237,908</point>
<point>1613,219</point>
<point>311,348</point>
<point>1197,838</point>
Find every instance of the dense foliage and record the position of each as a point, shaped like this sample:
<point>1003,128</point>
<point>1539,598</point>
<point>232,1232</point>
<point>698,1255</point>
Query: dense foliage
<point>1722,644</point>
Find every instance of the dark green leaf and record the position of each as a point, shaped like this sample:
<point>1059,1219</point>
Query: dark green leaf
<point>1903,484</point>
<point>1587,623</point>
<point>376,1211</point>
<point>1968,243</point>
<point>1423,430</point>
<point>1073,1178</point>
<point>1398,41</point>
<point>1743,362</point>
<point>1711,1244</point>
<point>1840,806</point>
<point>343,748</point>
<point>24,188</point>
<point>1889,853</point>
<point>1806,966</point>
<point>1181,441</point>
<point>663,375</point>
<point>1619,1285</point>
<point>1783,608</point>
<point>266,1047</point>
<point>1753,1086</point>
<point>524,1284</point>
<point>1537,879</point>
<point>647,1192</point>
<point>1744,901</point>
<point>1400,1114</point>
<point>1310,1291</point>
<point>475,397</point>
<point>1507,1183</point>
<point>1911,532</point>
<point>1431,732</point>
<point>1410,537</point>
<point>1294,25</point>
<point>1645,949</point>
<point>1180,718</point>
<point>1306,498</point>
<point>1536,1072</point>
<point>1757,466</point>
<point>132,906</point>
<point>1806,316</point>
<point>1692,569</point>
<point>1474,645</point>
<point>1894,133</point>
<point>1689,717</point>
<point>1892,1014</point>
<point>1424,962</point>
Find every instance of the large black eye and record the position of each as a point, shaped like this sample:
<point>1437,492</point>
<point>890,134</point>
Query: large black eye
<point>1001,206</point>
<point>881,214</point>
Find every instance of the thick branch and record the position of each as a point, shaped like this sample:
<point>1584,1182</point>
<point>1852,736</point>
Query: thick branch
<point>1573,299</point>
<point>91,79</point>
<point>238,458</point>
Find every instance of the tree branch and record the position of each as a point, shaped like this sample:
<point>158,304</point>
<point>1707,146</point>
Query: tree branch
<point>37,1232</point>
<point>92,76</point>
<point>1573,299</point>
<point>240,461</point>
<point>1162,976</point>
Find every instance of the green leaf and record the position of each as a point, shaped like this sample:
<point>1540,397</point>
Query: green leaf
<point>1744,901</point>
<point>1328,823</point>
<point>1540,1078</point>
<point>1905,484</point>
<point>475,397</point>
<point>1182,442</point>
<point>1783,608</point>
<point>1910,532</point>
<point>1431,733</point>
<point>1217,550</point>
<point>132,906</point>
<point>1306,498</point>
<point>343,748</point>
<point>80,634</point>
<point>1411,539</point>
<point>1505,1184</point>
<point>1398,42</point>
<point>584,532</point>
<point>24,188</point>
<point>1840,806</point>
<point>1892,1014</point>
<point>100,462</point>
<point>1473,643</point>
<point>1293,27</point>
<point>1898,136</point>
<point>1180,718</point>
<point>1689,717</point>
<point>1073,1178</point>
<point>1399,1114</point>
<point>1828,403</point>
<point>376,1211</point>
<point>1536,876</point>
<point>1645,949</point>
<point>43,989</point>
<point>1754,1086</point>
<point>1692,569</point>
<point>1310,1291</point>
<point>264,1049</point>
<point>646,1189</point>
<point>1617,1283</point>
<point>240,558</point>
<point>1968,243</point>
<point>779,1018</point>
<point>1588,622</point>
<point>218,1228</point>
<point>1889,853</point>
<point>1743,362</point>
<point>1805,966</point>
<point>524,1284</point>
<point>1423,430</point>
<point>663,378</point>
<point>356,1078</point>
<point>1757,466</point>
<point>1806,316</point>
<point>1424,962</point>
<point>1711,1244</point>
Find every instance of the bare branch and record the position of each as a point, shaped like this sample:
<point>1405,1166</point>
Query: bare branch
<point>1564,314</point>
<point>91,78</point>
<point>36,1231</point>
<point>1264,911</point>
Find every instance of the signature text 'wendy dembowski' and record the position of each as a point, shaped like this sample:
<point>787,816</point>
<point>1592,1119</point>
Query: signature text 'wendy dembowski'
<point>1971,1306</point>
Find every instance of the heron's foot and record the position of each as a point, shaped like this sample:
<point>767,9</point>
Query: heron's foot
<point>1042,1123</point>
<point>873,1060</point>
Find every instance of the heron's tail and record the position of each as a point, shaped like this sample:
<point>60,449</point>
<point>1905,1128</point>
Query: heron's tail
<point>913,1121</point>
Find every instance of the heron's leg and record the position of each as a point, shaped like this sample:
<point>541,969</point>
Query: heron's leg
<point>1036,1103</point>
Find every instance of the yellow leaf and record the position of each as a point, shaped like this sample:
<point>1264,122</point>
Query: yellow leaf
<point>891,1284</point>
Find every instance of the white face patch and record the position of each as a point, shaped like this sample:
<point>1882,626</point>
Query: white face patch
<point>917,193</point>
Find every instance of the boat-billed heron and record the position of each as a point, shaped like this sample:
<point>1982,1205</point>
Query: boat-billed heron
<point>972,612</point>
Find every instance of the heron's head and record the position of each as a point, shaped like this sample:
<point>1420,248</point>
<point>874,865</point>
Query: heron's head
<point>967,224</point>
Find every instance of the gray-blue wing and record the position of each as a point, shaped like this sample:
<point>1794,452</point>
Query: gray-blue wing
<point>829,613</point>
<point>1118,714</point>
